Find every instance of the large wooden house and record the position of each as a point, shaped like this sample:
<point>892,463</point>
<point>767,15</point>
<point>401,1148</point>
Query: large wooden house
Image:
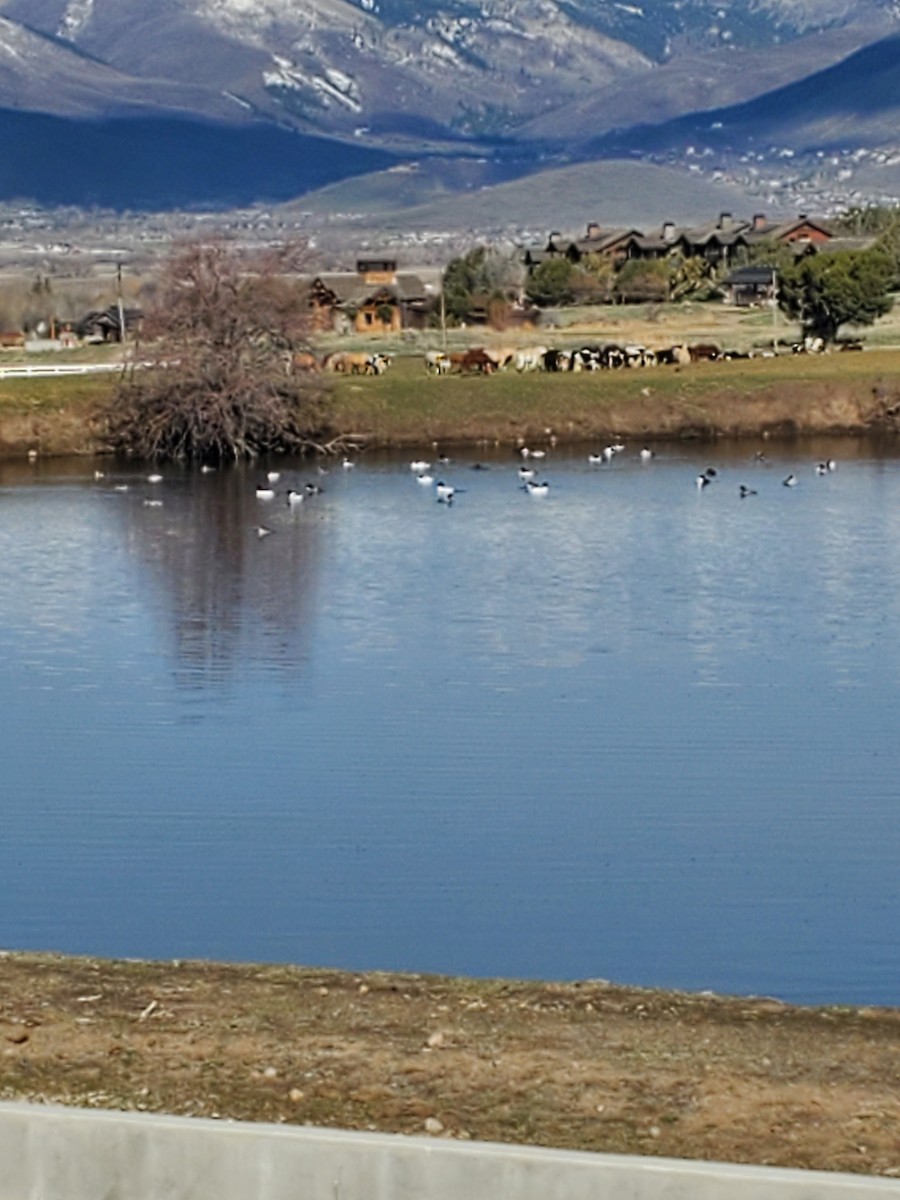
<point>718,242</point>
<point>375,298</point>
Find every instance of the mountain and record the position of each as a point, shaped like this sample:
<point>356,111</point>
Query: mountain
<point>433,69</point>
<point>217,102</point>
<point>854,104</point>
<point>153,163</point>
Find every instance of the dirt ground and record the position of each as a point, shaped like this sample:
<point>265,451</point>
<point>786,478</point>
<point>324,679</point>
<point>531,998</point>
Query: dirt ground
<point>589,1066</point>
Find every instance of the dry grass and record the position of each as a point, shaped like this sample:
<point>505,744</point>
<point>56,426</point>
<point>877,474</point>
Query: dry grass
<point>588,1065</point>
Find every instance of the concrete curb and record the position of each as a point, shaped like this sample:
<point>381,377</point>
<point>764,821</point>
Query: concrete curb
<point>54,1153</point>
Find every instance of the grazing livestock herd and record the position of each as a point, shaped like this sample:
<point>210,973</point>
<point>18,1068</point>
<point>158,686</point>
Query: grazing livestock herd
<point>608,356</point>
<point>486,360</point>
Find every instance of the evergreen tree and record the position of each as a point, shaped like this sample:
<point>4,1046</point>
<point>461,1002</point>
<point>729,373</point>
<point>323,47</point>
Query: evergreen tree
<point>827,290</point>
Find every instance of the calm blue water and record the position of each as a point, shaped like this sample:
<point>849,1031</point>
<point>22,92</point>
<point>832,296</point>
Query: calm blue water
<point>630,731</point>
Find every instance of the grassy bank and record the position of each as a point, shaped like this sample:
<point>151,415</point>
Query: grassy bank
<point>787,396</point>
<point>51,415</point>
<point>589,1066</point>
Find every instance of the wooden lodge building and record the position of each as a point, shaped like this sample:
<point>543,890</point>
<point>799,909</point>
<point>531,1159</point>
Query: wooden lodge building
<point>718,242</point>
<point>375,298</point>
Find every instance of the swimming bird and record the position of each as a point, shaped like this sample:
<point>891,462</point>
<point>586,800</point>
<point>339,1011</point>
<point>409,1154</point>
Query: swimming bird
<point>745,491</point>
<point>312,489</point>
<point>265,492</point>
<point>262,531</point>
<point>154,478</point>
<point>273,476</point>
<point>702,482</point>
<point>295,498</point>
<point>537,489</point>
<point>710,472</point>
<point>790,481</point>
<point>595,459</point>
<point>646,454</point>
<point>348,464</point>
<point>206,469</point>
<point>120,487</point>
<point>526,474</point>
<point>153,504</point>
<point>99,474</point>
<point>419,466</point>
<point>444,491</point>
<point>425,479</point>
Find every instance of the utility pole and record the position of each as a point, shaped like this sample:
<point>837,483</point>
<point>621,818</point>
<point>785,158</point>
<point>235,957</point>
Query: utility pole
<point>121,306</point>
<point>775,310</point>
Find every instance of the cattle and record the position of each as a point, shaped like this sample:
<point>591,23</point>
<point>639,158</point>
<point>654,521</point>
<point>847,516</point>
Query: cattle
<point>679,355</point>
<point>501,356</point>
<point>809,345</point>
<point>356,362</point>
<point>589,358</point>
<point>437,362</point>
<point>302,360</point>
<point>638,356</point>
<point>557,360</point>
<point>704,352</point>
<point>612,357</point>
<point>474,360</point>
<point>377,363</point>
<point>530,358</point>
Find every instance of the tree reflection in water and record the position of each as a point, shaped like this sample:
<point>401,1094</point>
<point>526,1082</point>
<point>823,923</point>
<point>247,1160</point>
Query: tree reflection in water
<point>234,599</point>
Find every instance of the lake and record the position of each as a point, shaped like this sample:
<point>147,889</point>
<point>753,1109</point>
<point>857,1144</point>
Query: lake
<point>634,729</point>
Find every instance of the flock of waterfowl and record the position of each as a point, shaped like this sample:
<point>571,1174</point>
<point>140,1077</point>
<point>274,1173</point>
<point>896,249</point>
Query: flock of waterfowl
<point>427,474</point>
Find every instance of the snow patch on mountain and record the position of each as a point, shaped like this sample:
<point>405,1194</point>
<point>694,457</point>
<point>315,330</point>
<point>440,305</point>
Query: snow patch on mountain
<point>76,17</point>
<point>331,86</point>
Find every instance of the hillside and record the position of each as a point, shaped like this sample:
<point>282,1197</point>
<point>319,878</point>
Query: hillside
<point>618,192</point>
<point>855,102</point>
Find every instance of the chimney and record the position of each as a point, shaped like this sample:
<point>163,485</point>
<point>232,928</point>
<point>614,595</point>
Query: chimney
<point>724,221</point>
<point>593,230</point>
<point>668,231</point>
<point>759,221</point>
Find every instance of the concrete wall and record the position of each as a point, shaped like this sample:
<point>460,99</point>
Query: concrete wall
<point>52,1153</point>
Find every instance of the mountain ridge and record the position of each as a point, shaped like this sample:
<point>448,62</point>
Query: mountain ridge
<point>503,88</point>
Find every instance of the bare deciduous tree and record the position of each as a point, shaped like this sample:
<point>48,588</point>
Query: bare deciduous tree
<point>215,379</point>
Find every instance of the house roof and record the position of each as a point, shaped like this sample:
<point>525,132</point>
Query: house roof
<point>703,235</point>
<point>604,240</point>
<point>778,230</point>
<point>760,276</point>
<point>348,287</point>
<point>846,243</point>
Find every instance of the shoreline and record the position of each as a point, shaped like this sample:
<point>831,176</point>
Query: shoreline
<point>587,1065</point>
<point>785,399</point>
